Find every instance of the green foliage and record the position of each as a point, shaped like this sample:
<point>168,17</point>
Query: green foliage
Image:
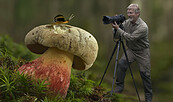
<point>7,84</point>
<point>27,98</point>
<point>80,85</point>
<point>19,87</point>
<point>162,68</point>
<point>16,86</point>
<point>15,50</point>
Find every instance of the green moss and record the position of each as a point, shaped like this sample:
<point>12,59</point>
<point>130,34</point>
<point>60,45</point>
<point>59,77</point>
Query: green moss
<point>21,88</point>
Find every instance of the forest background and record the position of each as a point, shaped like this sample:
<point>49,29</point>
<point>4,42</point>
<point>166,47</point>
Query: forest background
<point>18,17</point>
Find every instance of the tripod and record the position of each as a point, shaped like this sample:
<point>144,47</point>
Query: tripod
<point>118,44</point>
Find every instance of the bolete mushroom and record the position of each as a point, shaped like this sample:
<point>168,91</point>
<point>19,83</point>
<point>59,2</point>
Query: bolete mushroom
<point>62,47</point>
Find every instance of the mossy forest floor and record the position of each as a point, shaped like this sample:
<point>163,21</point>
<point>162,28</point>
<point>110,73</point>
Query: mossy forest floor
<point>15,87</point>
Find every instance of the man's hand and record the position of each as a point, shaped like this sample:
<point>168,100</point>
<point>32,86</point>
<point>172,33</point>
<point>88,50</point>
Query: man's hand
<point>115,25</point>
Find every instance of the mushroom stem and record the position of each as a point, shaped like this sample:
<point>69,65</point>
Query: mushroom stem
<point>54,66</point>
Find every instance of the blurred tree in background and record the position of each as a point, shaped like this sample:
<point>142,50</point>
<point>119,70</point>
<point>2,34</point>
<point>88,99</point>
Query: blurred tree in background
<point>20,16</point>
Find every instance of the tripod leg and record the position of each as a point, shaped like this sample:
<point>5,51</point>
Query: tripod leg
<point>109,63</point>
<point>116,63</point>
<point>130,70</point>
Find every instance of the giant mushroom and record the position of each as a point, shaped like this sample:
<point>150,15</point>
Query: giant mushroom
<point>62,47</point>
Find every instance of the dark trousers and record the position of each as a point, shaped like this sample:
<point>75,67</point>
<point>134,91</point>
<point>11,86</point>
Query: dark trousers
<point>143,60</point>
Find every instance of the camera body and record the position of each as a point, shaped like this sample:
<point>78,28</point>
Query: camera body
<point>119,19</point>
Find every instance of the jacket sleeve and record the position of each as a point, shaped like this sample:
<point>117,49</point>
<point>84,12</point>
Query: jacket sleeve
<point>137,34</point>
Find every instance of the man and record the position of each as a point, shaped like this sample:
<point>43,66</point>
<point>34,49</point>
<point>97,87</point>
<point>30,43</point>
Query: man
<point>135,33</point>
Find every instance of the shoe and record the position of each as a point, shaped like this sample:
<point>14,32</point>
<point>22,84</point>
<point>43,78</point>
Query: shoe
<point>118,89</point>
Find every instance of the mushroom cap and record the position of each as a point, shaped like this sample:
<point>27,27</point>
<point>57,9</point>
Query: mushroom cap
<point>68,38</point>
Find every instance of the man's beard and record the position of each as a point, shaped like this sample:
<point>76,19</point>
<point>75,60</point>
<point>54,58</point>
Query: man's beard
<point>130,19</point>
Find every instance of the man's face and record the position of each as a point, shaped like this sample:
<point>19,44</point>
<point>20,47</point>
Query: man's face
<point>133,16</point>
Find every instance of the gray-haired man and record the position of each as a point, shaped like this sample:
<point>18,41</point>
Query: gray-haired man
<point>136,35</point>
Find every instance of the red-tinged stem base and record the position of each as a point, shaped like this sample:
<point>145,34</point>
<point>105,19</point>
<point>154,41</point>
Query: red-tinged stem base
<point>54,66</point>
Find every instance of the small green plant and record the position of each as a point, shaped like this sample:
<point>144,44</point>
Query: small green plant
<point>80,85</point>
<point>23,83</point>
<point>40,88</point>
<point>7,84</point>
<point>27,98</point>
<point>52,99</point>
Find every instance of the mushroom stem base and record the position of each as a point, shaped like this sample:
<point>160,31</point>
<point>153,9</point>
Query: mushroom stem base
<point>54,66</point>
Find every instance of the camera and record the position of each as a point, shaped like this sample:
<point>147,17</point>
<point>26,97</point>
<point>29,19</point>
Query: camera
<point>119,19</point>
